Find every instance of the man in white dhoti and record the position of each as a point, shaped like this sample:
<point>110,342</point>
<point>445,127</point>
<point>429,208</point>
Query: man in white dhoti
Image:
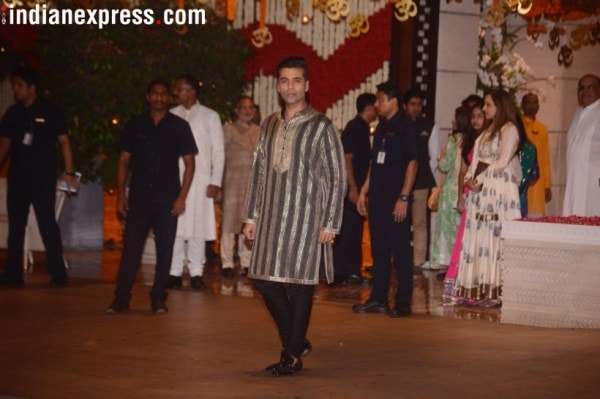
<point>197,225</point>
<point>582,192</point>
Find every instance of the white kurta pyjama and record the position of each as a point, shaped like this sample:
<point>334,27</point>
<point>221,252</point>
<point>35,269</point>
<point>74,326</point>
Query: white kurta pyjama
<point>582,192</point>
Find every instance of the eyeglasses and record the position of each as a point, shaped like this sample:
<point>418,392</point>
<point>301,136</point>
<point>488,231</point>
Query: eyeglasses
<point>586,87</point>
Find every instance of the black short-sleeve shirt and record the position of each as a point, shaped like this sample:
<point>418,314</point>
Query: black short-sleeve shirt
<point>155,151</point>
<point>355,139</point>
<point>33,132</point>
<point>397,137</point>
<point>424,179</point>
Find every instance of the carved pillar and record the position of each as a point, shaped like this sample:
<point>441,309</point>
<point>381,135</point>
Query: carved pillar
<point>414,52</point>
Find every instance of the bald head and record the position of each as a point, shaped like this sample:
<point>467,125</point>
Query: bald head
<point>530,104</point>
<point>588,90</point>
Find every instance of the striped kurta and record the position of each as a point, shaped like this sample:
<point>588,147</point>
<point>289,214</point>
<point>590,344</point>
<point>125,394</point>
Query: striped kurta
<point>296,189</point>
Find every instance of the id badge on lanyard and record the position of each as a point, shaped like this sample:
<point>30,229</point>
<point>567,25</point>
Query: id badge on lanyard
<point>381,153</point>
<point>28,136</point>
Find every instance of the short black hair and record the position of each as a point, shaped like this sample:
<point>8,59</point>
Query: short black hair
<point>390,89</point>
<point>364,100</point>
<point>156,82</point>
<point>472,100</point>
<point>294,62</point>
<point>27,75</point>
<point>191,81</point>
<point>412,93</point>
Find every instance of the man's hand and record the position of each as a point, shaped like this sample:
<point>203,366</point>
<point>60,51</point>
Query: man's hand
<point>72,181</point>
<point>178,207</point>
<point>353,195</point>
<point>122,206</point>
<point>361,204</point>
<point>460,204</point>
<point>400,211</point>
<point>213,191</point>
<point>548,193</point>
<point>249,231</point>
<point>473,185</point>
<point>326,237</point>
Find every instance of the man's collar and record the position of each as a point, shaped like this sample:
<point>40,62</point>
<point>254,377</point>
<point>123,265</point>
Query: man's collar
<point>593,104</point>
<point>303,112</point>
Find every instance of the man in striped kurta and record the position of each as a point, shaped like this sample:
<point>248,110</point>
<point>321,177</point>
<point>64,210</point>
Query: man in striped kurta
<point>293,210</point>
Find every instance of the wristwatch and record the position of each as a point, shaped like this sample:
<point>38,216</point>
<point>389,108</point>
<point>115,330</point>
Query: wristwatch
<point>403,198</point>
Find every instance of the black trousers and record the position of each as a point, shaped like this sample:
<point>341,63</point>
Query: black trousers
<point>140,218</point>
<point>41,193</point>
<point>290,306</point>
<point>390,239</point>
<point>347,251</point>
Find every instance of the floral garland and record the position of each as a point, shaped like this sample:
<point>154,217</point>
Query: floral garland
<point>573,219</point>
<point>331,79</point>
<point>498,66</point>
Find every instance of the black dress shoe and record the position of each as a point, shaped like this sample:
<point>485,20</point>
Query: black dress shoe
<point>174,282</point>
<point>400,311</point>
<point>117,307</point>
<point>371,307</point>
<point>59,282</point>
<point>288,366</point>
<point>355,279</point>
<point>159,307</point>
<point>244,272</point>
<point>228,272</point>
<point>10,281</point>
<point>305,352</point>
<point>197,283</point>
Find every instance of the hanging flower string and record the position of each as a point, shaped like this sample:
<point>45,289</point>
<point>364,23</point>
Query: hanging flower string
<point>262,36</point>
<point>230,10</point>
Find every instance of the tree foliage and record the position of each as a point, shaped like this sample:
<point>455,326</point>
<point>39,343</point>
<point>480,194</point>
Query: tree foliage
<point>99,77</point>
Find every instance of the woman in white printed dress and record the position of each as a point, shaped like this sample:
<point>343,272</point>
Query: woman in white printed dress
<point>493,179</point>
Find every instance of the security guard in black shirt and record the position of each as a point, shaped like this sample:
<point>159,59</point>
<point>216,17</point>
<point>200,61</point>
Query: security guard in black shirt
<point>394,163</point>
<point>151,146</point>
<point>29,131</point>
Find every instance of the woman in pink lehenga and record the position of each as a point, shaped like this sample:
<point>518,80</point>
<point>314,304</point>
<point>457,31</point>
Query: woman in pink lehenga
<point>478,124</point>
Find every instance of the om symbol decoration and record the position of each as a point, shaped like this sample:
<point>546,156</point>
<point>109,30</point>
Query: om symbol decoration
<point>292,9</point>
<point>359,24</point>
<point>321,5</point>
<point>405,9</point>
<point>337,9</point>
<point>554,38</point>
<point>565,56</point>
<point>261,36</point>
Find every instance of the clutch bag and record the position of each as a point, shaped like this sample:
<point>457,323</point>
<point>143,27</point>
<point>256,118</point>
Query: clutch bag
<point>481,167</point>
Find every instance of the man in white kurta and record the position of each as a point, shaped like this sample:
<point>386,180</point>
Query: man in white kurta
<point>582,192</point>
<point>197,224</point>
